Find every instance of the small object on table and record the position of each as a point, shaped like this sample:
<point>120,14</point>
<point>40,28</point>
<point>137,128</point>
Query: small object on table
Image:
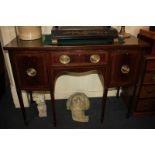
<point>121,39</point>
<point>123,32</point>
<point>83,35</point>
<point>29,32</point>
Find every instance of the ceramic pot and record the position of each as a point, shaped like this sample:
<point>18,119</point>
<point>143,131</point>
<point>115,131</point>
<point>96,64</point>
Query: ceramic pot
<point>29,32</point>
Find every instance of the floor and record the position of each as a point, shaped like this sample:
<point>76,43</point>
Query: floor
<point>11,118</point>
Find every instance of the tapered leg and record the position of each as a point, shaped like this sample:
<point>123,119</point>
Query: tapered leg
<point>53,109</point>
<point>131,102</point>
<point>31,98</point>
<point>129,108</point>
<point>128,114</point>
<point>104,99</point>
<point>22,107</point>
<point>53,100</point>
<point>117,94</point>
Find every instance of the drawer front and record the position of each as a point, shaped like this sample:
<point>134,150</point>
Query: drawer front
<point>94,58</point>
<point>125,67</point>
<point>79,58</point>
<point>150,65</point>
<point>147,91</point>
<point>149,78</point>
<point>146,105</point>
<point>31,71</point>
<point>65,58</point>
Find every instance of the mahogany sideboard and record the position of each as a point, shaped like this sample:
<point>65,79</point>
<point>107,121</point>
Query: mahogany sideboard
<point>36,66</point>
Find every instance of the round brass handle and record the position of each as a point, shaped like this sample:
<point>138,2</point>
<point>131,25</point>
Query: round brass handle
<point>95,58</point>
<point>125,69</point>
<point>64,59</point>
<point>31,72</point>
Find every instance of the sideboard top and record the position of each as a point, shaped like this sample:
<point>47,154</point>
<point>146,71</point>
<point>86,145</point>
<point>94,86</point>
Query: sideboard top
<point>39,44</point>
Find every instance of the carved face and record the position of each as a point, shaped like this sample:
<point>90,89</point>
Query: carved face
<point>78,102</point>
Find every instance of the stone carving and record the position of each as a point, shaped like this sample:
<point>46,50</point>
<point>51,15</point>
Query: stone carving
<point>78,103</point>
<point>41,105</point>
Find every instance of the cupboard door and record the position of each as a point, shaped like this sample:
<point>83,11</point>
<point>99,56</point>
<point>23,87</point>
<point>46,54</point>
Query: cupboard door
<point>31,71</point>
<point>125,67</point>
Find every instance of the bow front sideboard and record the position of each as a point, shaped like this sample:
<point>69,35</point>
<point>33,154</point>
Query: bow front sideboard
<point>36,66</point>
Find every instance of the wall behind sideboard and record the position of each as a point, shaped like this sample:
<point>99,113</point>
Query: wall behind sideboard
<point>68,84</point>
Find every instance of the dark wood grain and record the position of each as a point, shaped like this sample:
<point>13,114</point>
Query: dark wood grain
<point>145,93</point>
<point>146,105</point>
<point>31,60</point>
<point>120,58</point>
<point>46,60</point>
<point>38,45</point>
<point>149,77</point>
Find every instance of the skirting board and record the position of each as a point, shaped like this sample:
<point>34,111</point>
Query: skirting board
<point>57,96</point>
<point>88,93</point>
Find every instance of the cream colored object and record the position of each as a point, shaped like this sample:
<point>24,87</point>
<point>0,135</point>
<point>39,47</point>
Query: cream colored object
<point>29,32</point>
<point>78,103</point>
<point>39,98</point>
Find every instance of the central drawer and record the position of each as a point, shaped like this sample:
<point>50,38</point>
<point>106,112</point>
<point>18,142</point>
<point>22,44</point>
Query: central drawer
<point>79,58</point>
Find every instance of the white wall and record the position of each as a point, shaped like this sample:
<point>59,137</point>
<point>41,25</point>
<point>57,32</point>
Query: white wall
<point>67,84</point>
<point>7,33</point>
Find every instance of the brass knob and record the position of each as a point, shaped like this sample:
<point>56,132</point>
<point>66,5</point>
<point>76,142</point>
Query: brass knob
<point>64,59</point>
<point>95,58</point>
<point>125,69</point>
<point>31,72</point>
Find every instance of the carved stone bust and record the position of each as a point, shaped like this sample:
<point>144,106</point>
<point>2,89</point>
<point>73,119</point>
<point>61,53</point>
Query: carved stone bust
<point>78,103</point>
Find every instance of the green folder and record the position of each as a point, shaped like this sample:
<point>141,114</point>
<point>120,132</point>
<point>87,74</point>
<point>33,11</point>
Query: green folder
<point>67,42</point>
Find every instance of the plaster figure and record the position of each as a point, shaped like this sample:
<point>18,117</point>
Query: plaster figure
<point>78,103</point>
<point>41,105</point>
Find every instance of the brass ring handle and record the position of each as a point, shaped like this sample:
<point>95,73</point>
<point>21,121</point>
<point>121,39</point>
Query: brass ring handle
<point>31,72</point>
<point>95,58</point>
<point>125,69</point>
<point>64,59</point>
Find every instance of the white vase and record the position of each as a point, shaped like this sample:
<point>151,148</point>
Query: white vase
<point>29,32</point>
